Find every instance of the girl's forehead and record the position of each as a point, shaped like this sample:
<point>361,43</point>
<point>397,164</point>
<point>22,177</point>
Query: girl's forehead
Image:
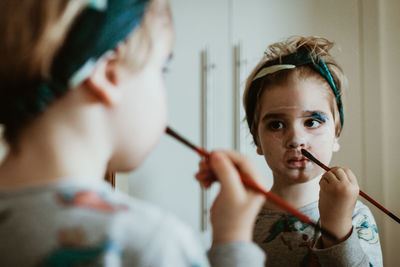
<point>297,109</point>
<point>306,95</point>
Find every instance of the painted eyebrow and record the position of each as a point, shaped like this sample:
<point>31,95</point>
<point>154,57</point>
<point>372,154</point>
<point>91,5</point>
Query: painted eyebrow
<point>317,114</point>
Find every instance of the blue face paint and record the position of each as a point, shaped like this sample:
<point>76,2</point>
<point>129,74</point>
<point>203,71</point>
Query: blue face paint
<point>318,116</point>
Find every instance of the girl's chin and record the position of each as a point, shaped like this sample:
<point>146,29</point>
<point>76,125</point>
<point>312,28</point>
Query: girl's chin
<point>298,176</point>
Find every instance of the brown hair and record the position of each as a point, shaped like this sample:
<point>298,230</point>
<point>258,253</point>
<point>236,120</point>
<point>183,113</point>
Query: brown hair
<point>319,46</point>
<point>33,31</point>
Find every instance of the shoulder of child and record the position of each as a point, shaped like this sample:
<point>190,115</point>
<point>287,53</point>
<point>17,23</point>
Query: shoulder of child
<point>158,237</point>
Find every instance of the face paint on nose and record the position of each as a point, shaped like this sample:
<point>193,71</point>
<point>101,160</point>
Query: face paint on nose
<point>297,139</point>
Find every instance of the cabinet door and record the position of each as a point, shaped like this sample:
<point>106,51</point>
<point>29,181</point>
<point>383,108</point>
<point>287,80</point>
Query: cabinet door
<point>258,23</point>
<point>167,176</point>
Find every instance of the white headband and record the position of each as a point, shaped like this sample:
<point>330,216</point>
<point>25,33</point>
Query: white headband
<point>273,69</point>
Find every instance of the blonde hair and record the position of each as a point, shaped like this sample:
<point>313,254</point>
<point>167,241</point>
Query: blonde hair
<point>319,46</point>
<point>33,32</point>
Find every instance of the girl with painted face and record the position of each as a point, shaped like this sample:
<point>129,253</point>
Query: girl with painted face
<point>292,102</point>
<point>82,92</point>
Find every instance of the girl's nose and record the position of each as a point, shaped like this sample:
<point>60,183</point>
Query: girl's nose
<point>296,138</point>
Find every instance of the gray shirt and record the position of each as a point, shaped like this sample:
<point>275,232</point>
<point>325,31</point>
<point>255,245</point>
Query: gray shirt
<point>289,242</point>
<point>86,223</point>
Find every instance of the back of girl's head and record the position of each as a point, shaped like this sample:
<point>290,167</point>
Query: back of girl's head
<point>33,34</point>
<point>319,49</point>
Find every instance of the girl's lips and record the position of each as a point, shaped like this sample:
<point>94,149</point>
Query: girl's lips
<point>297,162</point>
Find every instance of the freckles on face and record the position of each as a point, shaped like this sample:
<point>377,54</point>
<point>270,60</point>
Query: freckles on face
<point>293,117</point>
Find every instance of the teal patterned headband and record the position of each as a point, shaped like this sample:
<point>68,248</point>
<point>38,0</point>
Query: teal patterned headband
<point>300,58</point>
<point>99,28</point>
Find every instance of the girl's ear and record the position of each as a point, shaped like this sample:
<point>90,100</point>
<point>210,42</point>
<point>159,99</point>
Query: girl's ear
<point>259,150</point>
<point>103,84</point>
<point>336,145</point>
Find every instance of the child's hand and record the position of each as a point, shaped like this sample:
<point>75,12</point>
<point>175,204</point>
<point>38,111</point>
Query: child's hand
<point>337,199</point>
<point>205,175</point>
<point>235,208</point>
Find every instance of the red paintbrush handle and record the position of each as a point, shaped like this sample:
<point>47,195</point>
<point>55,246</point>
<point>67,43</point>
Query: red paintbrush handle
<point>202,152</point>
<point>275,199</point>
<point>379,206</point>
<point>364,195</point>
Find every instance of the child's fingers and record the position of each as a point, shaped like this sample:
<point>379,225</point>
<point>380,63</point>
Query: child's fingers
<point>351,176</point>
<point>324,181</point>
<point>205,170</point>
<point>339,174</point>
<point>344,175</point>
<point>205,179</point>
<point>203,173</point>
<point>246,167</point>
<point>329,178</point>
<point>340,181</point>
<point>204,164</point>
<point>226,173</point>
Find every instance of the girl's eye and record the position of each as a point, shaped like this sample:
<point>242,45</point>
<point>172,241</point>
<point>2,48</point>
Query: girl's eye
<point>312,123</point>
<point>275,125</point>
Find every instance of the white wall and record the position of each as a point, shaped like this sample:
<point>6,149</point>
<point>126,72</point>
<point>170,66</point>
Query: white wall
<point>390,85</point>
<point>371,109</point>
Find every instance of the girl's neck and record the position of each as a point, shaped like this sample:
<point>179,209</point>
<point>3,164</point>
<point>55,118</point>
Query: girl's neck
<point>297,195</point>
<point>49,151</point>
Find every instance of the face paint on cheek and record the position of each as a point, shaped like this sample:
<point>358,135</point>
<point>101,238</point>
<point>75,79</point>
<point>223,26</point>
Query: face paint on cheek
<point>327,132</point>
<point>323,136</point>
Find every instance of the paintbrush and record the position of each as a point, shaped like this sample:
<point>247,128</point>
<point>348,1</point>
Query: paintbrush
<point>364,195</point>
<point>253,185</point>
